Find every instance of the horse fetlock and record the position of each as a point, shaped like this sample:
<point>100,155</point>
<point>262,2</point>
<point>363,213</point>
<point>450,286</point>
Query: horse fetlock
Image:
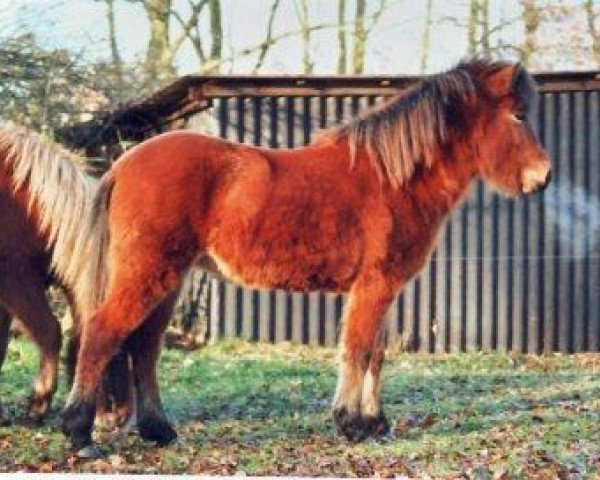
<point>156,429</point>
<point>38,407</point>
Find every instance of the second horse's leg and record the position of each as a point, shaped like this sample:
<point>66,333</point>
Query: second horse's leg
<point>24,297</point>
<point>5,321</point>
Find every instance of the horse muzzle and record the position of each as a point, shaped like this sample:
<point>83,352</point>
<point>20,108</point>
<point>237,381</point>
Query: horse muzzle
<point>536,179</point>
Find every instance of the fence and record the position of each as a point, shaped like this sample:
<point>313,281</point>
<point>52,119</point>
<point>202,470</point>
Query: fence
<point>518,275</point>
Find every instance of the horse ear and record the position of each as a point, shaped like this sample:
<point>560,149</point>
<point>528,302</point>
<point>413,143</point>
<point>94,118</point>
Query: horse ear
<point>500,83</point>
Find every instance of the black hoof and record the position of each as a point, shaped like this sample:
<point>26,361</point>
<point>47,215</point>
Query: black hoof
<point>351,426</point>
<point>156,429</point>
<point>377,426</point>
<point>76,423</point>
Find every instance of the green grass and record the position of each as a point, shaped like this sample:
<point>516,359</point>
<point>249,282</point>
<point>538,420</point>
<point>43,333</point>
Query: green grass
<point>262,409</point>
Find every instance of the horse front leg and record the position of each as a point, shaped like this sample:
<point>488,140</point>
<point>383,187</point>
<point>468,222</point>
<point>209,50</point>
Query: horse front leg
<point>24,297</point>
<point>356,411</point>
<point>370,405</point>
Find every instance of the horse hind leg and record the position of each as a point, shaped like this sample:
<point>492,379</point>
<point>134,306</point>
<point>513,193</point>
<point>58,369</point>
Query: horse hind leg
<point>114,401</point>
<point>5,321</point>
<point>144,345</point>
<point>137,288</point>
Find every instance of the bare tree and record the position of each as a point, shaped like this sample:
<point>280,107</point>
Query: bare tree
<point>531,19</point>
<point>478,28</point>
<point>160,51</point>
<point>341,33</point>
<point>362,31</point>
<point>305,30</point>
<point>115,56</point>
<point>591,17</point>
<point>216,32</point>
<point>264,47</point>
<point>360,37</point>
<point>425,38</point>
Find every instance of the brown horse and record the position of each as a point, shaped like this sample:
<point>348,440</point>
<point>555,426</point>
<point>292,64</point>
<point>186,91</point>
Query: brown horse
<point>358,211</point>
<point>43,197</point>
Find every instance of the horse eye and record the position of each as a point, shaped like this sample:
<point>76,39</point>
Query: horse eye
<point>520,116</point>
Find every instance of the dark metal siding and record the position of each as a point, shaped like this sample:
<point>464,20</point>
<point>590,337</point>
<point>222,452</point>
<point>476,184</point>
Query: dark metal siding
<point>518,275</point>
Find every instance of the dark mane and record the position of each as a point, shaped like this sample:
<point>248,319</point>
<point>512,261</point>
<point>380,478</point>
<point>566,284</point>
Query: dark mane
<point>408,129</point>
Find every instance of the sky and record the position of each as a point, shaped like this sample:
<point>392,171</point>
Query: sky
<point>394,45</point>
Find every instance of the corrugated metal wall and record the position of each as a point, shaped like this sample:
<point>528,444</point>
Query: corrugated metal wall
<point>512,275</point>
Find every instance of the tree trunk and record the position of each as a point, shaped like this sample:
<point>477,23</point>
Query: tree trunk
<point>472,27</point>
<point>425,39</point>
<point>268,38</point>
<point>360,38</point>
<point>484,10</point>
<point>158,63</point>
<point>341,33</point>
<point>216,32</point>
<point>307,63</point>
<point>117,63</point>
<point>478,28</point>
<point>531,18</point>
<point>588,6</point>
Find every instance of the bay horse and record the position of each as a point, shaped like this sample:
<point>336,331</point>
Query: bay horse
<point>43,197</point>
<point>357,211</point>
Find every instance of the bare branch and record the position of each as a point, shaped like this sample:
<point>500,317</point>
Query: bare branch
<point>267,43</point>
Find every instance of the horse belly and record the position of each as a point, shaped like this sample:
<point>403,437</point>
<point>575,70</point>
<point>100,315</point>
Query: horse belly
<point>282,272</point>
<point>287,259</point>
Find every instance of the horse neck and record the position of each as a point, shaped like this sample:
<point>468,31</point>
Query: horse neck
<point>435,192</point>
<point>56,195</point>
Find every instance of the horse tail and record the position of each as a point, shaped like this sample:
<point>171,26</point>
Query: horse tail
<point>93,274</point>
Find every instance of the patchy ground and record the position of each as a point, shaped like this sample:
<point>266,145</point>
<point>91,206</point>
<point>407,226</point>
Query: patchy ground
<point>264,410</point>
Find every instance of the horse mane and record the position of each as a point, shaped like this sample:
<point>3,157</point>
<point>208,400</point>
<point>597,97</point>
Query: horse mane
<point>59,188</point>
<point>410,128</point>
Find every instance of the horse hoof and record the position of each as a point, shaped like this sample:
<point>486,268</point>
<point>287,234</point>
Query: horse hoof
<point>156,429</point>
<point>76,423</point>
<point>90,452</point>
<point>377,426</point>
<point>351,426</point>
